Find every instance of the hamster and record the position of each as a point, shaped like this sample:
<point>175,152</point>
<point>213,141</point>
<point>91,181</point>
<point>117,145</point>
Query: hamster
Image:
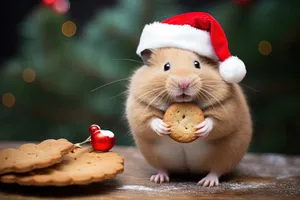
<point>176,75</point>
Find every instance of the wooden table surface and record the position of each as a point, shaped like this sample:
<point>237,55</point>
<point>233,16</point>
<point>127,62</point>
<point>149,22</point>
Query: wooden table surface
<point>264,176</point>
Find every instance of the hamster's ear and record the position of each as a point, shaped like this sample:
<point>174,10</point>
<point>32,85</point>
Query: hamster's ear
<point>146,54</point>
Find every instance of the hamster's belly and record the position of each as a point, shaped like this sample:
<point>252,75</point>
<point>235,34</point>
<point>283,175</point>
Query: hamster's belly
<point>171,154</point>
<point>198,156</point>
<point>183,157</point>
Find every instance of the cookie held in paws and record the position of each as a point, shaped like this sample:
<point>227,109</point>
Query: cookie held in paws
<point>34,156</point>
<point>182,118</point>
<point>79,167</point>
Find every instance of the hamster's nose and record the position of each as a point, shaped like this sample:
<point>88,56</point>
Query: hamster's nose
<point>184,83</point>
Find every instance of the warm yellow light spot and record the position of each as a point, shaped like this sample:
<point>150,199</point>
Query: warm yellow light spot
<point>265,48</point>
<point>28,75</point>
<point>69,28</point>
<point>8,100</point>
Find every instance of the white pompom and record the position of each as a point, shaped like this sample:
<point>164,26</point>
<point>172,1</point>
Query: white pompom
<point>232,70</point>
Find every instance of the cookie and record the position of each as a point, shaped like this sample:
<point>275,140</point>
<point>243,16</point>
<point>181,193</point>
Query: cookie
<point>79,167</point>
<point>34,156</point>
<point>182,118</point>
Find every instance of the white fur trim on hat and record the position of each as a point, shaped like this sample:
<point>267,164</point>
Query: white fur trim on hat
<point>232,70</point>
<point>159,35</point>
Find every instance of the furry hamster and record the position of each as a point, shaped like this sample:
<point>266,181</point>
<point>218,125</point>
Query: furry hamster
<point>176,75</point>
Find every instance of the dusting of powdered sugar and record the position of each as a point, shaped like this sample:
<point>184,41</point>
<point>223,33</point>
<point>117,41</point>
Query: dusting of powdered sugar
<point>194,187</point>
<point>246,186</point>
<point>136,188</point>
<point>150,189</point>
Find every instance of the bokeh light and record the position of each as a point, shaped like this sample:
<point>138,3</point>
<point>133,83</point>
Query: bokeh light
<point>69,28</point>
<point>265,47</point>
<point>49,2</point>
<point>61,6</point>
<point>8,100</point>
<point>28,75</point>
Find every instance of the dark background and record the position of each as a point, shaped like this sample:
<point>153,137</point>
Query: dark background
<point>58,103</point>
<point>81,11</point>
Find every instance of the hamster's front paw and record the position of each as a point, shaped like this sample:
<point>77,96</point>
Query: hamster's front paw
<point>205,127</point>
<point>159,127</point>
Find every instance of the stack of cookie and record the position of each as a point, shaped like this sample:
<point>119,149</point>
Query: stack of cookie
<point>57,163</point>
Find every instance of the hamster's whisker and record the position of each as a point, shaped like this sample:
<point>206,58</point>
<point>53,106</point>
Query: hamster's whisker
<point>253,89</point>
<point>172,95</point>
<point>193,83</point>
<point>154,100</point>
<point>210,87</point>
<point>165,94</point>
<point>128,59</point>
<point>174,85</point>
<point>213,88</point>
<point>213,80</point>
<point>169,99</point>
<point>124,92</point>
<point>212,83</point>
<point>205,96</point>
<point>222,81</point>
<point>106,84</point>
<point>149,92</point>
<point>207,92</point>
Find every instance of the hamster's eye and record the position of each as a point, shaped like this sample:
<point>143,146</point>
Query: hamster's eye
<point>197,64</point>
<point>167,66</point>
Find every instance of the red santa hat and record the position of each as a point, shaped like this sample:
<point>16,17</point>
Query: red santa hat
<point>198,32</point>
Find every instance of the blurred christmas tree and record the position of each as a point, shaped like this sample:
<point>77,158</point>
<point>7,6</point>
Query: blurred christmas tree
<point>46,89</point>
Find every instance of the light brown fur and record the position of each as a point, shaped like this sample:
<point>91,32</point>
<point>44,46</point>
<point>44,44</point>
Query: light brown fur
<point>225,145</point>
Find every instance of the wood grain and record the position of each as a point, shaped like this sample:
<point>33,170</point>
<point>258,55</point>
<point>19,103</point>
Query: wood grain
<point>258,176</point>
